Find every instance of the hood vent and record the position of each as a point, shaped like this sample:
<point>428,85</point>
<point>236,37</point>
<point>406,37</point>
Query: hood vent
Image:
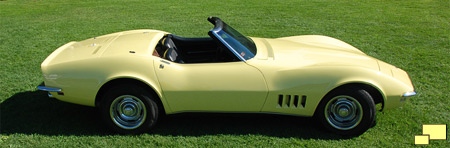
<point>96,49</point>
<point>291,101</point>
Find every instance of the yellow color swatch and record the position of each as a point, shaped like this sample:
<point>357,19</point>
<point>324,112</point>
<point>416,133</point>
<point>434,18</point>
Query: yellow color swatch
<point>436,131</point>
<point>421,139</point>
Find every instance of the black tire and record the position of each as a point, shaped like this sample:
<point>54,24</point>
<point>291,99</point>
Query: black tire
<point>129,109</point>
<point>347,111</point>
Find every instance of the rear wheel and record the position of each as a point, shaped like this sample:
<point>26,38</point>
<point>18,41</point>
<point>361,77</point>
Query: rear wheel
<point>347,111</point>
<point>129,109</point>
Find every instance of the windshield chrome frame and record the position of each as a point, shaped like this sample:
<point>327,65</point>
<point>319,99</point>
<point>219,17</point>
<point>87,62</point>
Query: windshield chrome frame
<point>215,33</point>
<point>234,42</point>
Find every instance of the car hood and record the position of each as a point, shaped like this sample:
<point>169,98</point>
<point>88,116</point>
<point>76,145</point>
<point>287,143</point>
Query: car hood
<point>290,56</point>
<point>311,50</point>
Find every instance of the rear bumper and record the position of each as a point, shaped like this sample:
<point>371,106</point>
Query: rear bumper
<point>43,88</point>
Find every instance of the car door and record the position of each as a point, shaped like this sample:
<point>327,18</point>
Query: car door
<point>230,86</point>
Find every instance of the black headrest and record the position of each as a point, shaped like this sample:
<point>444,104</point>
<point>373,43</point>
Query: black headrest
<point>168,42</point>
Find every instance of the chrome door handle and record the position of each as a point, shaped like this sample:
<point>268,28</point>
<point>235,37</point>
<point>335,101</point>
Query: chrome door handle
<point>165,62</point>
<point>161,66</point>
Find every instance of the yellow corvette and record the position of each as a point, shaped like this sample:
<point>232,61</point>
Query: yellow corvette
<point>135,76</point>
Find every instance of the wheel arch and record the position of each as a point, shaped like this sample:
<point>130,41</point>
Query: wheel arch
<point>373,90</point>
<point>121,80</point>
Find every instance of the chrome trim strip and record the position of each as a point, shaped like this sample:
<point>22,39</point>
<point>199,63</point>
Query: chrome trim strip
<point>43,88</point>
<point>409,94</point>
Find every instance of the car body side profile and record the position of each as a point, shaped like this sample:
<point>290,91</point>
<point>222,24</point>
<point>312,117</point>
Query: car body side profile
<point>135,76</point>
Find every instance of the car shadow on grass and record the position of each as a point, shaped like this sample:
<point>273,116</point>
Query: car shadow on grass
<point>35,113</point>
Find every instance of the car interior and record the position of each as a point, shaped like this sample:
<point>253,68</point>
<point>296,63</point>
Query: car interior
<point>193,50</point>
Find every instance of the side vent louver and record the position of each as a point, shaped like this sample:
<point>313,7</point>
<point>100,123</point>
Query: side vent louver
<point>291,102</point>
<point>303,103</point>
<point>280,100</point>
<point>296,101</point>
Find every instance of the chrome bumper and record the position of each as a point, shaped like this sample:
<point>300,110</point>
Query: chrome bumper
<point>43,88</point>
<point>409,94</point>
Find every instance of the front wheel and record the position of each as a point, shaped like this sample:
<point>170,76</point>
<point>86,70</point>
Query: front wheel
<point>347,111</point>
<point>129,109</point>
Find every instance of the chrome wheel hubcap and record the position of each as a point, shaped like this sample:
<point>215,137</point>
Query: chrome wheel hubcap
<point>128,112</point>
<point>343,112</point>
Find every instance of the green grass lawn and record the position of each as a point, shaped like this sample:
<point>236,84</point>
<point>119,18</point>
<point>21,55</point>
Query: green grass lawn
<point>411,34</point>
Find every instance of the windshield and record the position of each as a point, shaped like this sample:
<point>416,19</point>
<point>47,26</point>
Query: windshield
<point>243,47</point>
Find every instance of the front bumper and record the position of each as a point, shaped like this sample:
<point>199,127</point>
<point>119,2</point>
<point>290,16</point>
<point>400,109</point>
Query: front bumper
<point>409,94</point>
<point>406,95</point>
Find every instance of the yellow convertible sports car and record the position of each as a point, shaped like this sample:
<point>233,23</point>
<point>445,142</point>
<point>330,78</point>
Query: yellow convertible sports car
<point>136,76</point>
